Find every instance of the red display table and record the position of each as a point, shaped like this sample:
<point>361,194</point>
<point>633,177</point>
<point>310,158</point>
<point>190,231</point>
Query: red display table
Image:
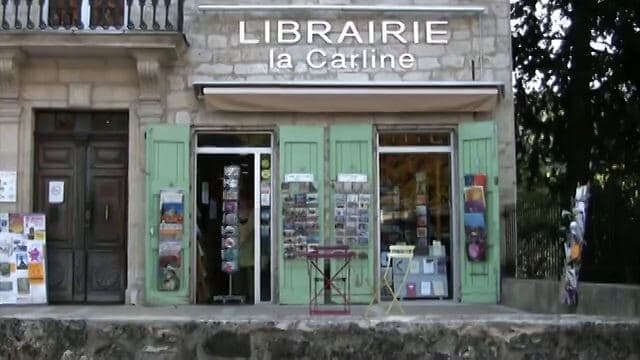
<point>340,257</point>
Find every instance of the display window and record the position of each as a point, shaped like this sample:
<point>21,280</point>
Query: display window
<point>233,218</point>
<point>415,200</point>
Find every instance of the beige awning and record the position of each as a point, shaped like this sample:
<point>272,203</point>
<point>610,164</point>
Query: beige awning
<point>349,98</point>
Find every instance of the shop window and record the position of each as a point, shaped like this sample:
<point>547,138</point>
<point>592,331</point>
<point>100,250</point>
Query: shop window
<point>415,209</point>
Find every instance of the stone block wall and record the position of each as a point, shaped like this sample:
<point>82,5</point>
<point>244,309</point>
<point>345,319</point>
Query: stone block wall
<point>90,84</point>
<point>216,54</point>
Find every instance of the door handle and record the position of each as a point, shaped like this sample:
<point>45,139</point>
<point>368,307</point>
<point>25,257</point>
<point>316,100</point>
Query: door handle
<point>106,212</point>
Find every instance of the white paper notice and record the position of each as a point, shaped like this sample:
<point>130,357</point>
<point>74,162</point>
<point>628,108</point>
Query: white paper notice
<point>438,288</point>
<point>56,192</point>
<point>414,267</point>
<point>8,185</point>
<point>352,177</point>
<point>425,288</point>
<point>428,266</point>
<point>298,178</point>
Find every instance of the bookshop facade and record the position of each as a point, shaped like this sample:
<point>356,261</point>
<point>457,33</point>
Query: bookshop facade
<point>338,127</point>
<point>207,175</point>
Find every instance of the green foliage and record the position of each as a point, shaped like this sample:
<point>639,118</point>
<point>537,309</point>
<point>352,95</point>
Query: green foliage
<point>577,103</point>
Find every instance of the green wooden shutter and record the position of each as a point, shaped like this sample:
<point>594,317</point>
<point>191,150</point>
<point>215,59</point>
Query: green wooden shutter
<point>351,152</point>
<point>478,153</point>
<point>301,151</point>
<point>167,167</point>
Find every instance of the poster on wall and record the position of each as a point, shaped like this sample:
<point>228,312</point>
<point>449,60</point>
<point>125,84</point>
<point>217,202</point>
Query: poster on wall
<point>170,234</point>
<point>8,185</point>
<point>22,259</point>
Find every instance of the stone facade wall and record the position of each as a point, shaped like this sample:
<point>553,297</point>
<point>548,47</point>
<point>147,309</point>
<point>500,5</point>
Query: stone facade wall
<point>132,81</point>
<point>76,84</point>
<point>215,54</point>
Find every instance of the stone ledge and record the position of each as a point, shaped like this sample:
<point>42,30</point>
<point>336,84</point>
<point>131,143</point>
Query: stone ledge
<point>320,338</point>
<point>79,44</point>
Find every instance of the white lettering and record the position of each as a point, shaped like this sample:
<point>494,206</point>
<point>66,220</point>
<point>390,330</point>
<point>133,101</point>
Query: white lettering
<point>350,30</point>
<point>372,32</point>
<point>338,61</point>
<point>267,32</point>
<point>316,65</point>
<point>243,35</point>
<point>431,31</point>
<point>321,33</point>
<point>288,27</point>
<point>407,61</point>
<point>416,32</point>
<point>284,61</point>
<point>386,31</point>
<point>384,58</point>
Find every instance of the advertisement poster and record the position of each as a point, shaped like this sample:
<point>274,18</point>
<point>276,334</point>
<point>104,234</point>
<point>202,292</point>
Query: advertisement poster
<point>170,234</point>
<point>22,259</point>
<point>8,185</point>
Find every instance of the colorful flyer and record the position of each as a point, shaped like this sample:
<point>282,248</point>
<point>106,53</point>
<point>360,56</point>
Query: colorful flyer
<point>34,226</point>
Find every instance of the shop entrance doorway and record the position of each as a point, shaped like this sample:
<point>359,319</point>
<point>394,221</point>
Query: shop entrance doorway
<point>233,219</point>
<point>415,200</point>
<point>86,224</point>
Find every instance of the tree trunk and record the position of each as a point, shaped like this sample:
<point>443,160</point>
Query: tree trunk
<point>579,122</point>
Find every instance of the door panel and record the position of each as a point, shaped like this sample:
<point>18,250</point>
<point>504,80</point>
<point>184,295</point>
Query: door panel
<point>351,152</point>
<point>59,274</point>
<point>167,166</point>
<point>60,161</point>
<point>301,151</point>
<point>106,194</point>
<point>86,232</point>
<point>479,154</point>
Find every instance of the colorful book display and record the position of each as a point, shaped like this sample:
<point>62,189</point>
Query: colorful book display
<point>22,259</point>
<point>421,211</point>
<point>300,214</point>
<point>170,235</point>
<point>230,219</point>
<point>475,211</point>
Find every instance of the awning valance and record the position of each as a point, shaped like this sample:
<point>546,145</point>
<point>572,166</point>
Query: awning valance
<point>351,97</point>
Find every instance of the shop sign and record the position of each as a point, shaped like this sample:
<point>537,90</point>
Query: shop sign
<point>292,32</point>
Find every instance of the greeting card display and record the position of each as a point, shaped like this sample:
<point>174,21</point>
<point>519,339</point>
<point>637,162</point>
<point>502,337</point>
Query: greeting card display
<point>170,235</point>
<point>230,225</point>
<point>475,209</point>
<point>300,215</point>
<point>351,210</point>
<point>22,259</point>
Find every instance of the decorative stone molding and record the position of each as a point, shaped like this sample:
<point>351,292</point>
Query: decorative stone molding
<point>149,73</point>
<point>9,73</point>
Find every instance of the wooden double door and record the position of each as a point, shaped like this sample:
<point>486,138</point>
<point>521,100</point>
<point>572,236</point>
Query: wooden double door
<point>81,185</point>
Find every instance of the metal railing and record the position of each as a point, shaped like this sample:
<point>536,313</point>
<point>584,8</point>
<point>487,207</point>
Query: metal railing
<point>92,15</point>
<point>534,247</point>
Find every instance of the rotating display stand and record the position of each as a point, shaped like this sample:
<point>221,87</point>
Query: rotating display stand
<point>230,231</point>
